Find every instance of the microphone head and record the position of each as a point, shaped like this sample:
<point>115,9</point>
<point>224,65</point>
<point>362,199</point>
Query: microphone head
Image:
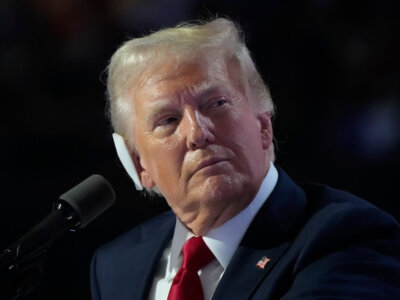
<point>90,198</point>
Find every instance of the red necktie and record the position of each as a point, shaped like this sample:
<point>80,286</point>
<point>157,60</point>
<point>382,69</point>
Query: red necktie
<point>186,284</point>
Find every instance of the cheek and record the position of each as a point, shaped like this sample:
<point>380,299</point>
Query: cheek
<point>244,129</point>
<point>165,163</point>
<point>245,139</point>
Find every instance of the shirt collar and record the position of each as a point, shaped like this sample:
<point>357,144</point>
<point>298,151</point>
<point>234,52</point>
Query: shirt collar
<point>224,240</point>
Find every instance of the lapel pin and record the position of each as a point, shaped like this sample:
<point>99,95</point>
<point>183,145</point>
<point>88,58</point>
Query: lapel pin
<point>262,262</point>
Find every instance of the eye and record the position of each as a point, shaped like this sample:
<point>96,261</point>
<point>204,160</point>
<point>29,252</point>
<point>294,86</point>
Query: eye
<point>166,121</point>
<point>218,103</point>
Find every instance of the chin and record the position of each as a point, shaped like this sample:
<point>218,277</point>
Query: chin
<point>217,189</point>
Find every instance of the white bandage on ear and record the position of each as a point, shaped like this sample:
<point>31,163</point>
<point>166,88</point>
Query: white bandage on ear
<point>126,159</point>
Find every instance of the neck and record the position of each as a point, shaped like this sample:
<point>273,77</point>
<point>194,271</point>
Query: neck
<point>207,218</point>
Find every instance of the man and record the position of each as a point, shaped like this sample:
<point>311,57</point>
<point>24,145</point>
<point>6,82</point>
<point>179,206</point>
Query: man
<point>192,121</point>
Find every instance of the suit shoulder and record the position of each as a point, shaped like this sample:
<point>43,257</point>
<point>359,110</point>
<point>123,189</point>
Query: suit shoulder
<point>329,202</point>
<point>130,258</point>
<point>320,195</point>
<point>344,247</point>
<point>335,218</point>
<point>161,223</point>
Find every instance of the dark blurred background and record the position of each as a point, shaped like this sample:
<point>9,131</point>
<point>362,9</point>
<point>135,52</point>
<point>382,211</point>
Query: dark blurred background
<point>333,68</point>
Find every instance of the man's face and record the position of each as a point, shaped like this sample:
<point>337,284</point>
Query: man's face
<point>199,141</point>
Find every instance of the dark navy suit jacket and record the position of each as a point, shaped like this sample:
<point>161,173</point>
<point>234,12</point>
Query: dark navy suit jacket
<point>322,244</point>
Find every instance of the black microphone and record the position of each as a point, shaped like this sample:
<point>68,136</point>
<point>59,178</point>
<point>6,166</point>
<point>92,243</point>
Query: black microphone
<point>73,210</point>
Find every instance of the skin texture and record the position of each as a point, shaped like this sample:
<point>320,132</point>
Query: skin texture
<point>199,141</point>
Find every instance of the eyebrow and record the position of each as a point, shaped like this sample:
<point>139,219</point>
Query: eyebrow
<point>197,91</point>
<point>201,88</point>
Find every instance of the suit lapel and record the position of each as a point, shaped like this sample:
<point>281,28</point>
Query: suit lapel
<point>243,275</point>
<point>136,265</point>
<point>153,248</point>
<point>266,240</point>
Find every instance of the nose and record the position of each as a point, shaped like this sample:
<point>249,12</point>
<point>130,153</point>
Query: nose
<point>198,134</point>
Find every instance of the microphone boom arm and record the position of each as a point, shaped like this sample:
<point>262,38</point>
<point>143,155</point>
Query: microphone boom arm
<point>21,264</point>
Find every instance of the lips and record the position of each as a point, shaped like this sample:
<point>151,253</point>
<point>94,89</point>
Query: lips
<point>209,162</point>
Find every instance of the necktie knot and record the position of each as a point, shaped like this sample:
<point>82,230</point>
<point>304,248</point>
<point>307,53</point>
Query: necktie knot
<point>196,254</point>
<point>186,283</point>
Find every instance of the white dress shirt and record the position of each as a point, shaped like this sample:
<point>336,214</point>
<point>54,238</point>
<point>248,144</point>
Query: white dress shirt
<point>222,242</point>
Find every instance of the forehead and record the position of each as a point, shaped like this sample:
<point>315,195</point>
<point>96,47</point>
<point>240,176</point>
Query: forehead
<point>169,80</point>
<point>190,73</point>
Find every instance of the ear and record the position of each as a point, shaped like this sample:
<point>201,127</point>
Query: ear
<point>132,164</point>
<point>266,129</point>
<point>144,175</point>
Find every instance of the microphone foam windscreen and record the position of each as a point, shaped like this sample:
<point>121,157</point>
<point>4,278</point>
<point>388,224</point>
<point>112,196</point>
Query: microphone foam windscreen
<point>90,198</point>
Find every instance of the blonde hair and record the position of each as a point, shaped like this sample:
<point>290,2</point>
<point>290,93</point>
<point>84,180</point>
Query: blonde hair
<point>181,43</point>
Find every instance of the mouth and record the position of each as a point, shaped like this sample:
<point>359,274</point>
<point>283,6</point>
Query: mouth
<point>209,162</point>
